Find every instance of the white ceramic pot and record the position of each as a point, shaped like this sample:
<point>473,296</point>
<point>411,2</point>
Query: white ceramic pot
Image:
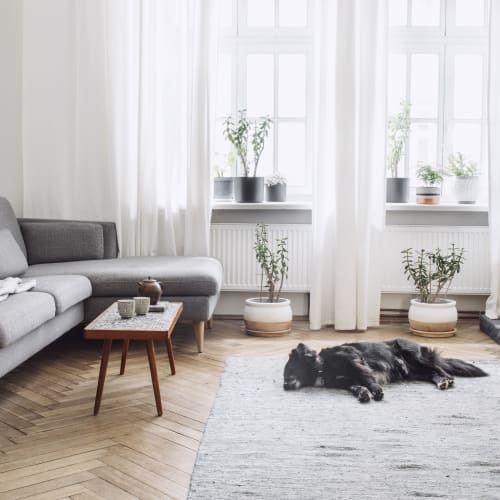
<point>466,189</point>
<point>267,319</point>
<point>438,319</point>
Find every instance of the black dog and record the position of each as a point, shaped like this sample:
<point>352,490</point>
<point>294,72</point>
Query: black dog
<point>363,367</point>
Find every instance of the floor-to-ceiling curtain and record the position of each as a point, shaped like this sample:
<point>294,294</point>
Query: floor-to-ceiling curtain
<point>493,302</point>
<point>118,101</point>
<point>349,194</point>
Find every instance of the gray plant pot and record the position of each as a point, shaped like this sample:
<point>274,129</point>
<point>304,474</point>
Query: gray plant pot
<point>276,192</point>
<point>249,189</point>
<point>223,188</point>
<point>398,189</point>
<point>428,195</point>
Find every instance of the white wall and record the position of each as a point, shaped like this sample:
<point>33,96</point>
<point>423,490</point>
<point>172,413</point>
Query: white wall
<point>11,171</point>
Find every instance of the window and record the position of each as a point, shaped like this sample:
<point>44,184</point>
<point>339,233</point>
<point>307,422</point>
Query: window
<point>438,63</point>
<point>265,68</point>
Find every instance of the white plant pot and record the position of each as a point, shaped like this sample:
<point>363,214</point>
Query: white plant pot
<point>466,189</point>
<point>267,319</point>
<point>438,319</point>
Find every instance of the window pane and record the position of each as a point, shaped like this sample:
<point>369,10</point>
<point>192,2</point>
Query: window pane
<point>397,12</point>
<point>468,86</point>
<point>292,85</point>
<point>396,90</point>
<point>260,85</point>
<point>292,152</point>
<point>425,12</point>
<point>424,85</point>
<point>222,148</point>
<point>266,162</point>
<point>467,140</point>
<point>293,12</point>
<point>226,13</point>
<point>423,138</point>
<point>261,13</point>
<point>224,85</point>
<point>469,12</point>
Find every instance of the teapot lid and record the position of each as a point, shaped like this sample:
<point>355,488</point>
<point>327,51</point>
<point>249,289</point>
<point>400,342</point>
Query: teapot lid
<point>149,280</point>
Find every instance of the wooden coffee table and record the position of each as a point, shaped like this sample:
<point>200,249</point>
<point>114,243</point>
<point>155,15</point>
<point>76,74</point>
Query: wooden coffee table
<point>109,326</point>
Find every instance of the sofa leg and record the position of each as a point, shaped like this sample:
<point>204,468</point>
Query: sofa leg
<point>199,334</point>
<point>210,323</point>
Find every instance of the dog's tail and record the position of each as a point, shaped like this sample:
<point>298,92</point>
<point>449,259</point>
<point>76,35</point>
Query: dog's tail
<point>461,368</point>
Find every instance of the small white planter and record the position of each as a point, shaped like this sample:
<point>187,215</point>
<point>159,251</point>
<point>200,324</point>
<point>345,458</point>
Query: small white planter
<point>267,319</point>
<point>466,189</point>
<point>437,319</point>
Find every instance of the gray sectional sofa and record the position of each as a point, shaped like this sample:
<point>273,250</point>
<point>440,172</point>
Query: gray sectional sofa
<point>78,274</point>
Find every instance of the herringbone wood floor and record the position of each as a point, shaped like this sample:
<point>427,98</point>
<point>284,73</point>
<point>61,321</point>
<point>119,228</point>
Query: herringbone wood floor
<point>52,447</point>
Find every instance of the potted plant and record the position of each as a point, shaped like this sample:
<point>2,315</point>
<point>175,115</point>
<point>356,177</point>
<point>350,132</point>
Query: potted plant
<point>466,173</point>
<point>430,192</point>
<point>398,131</point>
<point>432,314</point>
<point>269,315</point>
<point>276,188</point>
<point>248,188</point>
<point>223,185</point>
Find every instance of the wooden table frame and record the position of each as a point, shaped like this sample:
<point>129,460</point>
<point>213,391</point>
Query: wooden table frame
<point>149,336</point>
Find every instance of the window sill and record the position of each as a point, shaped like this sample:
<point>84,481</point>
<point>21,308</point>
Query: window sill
<point>266,205</point>
<point>442,207</point>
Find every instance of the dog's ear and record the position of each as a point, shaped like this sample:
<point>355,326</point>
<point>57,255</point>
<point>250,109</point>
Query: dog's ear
<point>293,354</point>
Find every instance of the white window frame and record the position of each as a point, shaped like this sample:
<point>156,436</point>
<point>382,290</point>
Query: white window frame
<point>445,40</point>
<point>241,40</point>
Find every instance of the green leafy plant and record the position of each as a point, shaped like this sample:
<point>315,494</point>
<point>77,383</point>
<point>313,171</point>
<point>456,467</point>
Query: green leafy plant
<point>429,175</point>
<point>398,131</point>
<point>460,167</point>
<point>240,133</point>
<point>273,263</point>
<point>432,272</point>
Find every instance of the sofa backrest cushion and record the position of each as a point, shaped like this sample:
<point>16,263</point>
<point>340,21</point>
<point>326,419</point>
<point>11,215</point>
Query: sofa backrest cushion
<point>48,242</point>
<point>12,259</point>
<point>8,221</point>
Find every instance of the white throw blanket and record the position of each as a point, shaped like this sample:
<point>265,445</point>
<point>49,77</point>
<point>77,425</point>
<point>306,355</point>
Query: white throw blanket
<point>15,285</point>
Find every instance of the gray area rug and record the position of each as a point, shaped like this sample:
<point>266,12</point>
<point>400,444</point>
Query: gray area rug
<point>419,442</point>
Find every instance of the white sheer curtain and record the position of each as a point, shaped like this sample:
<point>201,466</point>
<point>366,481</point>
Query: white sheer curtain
<point>493,302</point>
<point>118,108</point>
<point>349,193</point>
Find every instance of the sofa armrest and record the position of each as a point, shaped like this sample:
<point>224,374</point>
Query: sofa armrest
<point>55,240</point>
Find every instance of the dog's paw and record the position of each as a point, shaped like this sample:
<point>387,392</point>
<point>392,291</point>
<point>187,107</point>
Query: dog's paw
<point>364,396</point>
<point>378,394</point>
<point>444,383</point>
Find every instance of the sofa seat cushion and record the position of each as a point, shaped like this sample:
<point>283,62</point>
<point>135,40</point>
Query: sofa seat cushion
<point>22,313</point>
<point>66,290</point>
<point>181,276</point>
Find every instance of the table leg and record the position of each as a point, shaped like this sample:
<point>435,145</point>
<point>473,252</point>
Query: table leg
<point>154,375</point>
<point>170,352</point>
<point>124,355</point>
<point>106,348</point>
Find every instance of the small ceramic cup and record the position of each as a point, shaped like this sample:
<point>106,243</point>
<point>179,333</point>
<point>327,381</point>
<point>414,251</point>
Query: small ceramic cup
<point>141,305</point>
<point>126,308</point>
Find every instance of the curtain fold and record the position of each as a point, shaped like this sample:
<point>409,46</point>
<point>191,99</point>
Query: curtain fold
<point>118,113</point>
<point>349,192</point>
<point>493,301</point>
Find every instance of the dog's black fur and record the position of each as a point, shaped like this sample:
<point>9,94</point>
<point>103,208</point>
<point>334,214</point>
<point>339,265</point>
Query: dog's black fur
<point>363,367</point>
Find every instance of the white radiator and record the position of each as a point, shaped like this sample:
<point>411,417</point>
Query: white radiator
<point>233,245</point>
<point>474,276</point>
